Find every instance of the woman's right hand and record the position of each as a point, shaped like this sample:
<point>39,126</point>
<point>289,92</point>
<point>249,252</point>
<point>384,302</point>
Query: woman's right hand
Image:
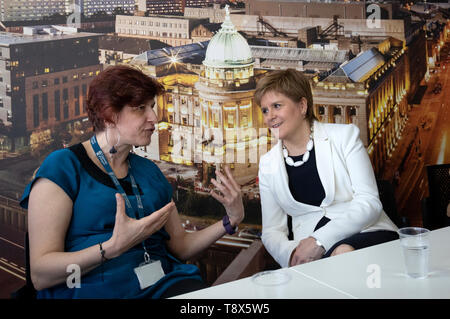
<point>128,232</point>
<point>306,251</point>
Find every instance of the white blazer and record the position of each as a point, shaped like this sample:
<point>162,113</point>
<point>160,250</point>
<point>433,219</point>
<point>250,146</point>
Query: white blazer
<point>351,195</point>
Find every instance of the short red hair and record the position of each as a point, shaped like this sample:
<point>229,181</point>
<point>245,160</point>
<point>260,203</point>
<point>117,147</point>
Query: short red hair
<point>117,87</point>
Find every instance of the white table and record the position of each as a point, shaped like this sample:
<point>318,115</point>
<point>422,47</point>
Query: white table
<point>355,273</point>
<point>373,272</point>
<point>246,288</point>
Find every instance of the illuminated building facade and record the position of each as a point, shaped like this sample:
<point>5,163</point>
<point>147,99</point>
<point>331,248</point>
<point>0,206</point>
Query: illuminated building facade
<point>230,120</point>
<point>369,91</point>
<point>208,116</point>
<point>206,102</point>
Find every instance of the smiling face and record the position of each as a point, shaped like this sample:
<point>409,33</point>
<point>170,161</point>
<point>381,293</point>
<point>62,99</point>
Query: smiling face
<point>137,124</point>
<point>284,117</point>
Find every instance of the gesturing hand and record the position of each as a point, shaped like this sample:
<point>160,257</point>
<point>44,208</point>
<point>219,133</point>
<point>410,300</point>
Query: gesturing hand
<point>231,197</point>
<point>129,232</point>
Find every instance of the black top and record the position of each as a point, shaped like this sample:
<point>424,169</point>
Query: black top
<point>304,181</point>
<point>97,173</point>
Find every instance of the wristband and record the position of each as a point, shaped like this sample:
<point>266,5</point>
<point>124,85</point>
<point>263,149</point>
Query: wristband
<point>102,261</point>
<point>318,243</point>
<point>102,252</point>
<point>228,228</point>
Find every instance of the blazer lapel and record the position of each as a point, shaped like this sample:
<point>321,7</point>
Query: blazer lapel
<point>281,181</point>
<point>281,174</point>
<point>281,185</point>
<point>324,162</point>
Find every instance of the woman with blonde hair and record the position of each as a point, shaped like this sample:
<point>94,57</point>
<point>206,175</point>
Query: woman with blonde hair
<point>319,174</point>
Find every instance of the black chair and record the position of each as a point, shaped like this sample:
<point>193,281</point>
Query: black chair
<point>434,207</point>
<point>27,292</point>
<point>387,198</point>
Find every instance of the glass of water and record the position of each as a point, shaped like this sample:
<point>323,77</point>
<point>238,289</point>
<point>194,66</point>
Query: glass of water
<point>415,243</point>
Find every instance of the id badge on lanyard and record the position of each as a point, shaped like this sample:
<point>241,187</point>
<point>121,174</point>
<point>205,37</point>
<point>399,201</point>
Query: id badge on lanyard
<point>150,271</point>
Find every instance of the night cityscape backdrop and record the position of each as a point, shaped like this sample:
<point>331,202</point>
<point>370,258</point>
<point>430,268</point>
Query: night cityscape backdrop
<point>381,66</point>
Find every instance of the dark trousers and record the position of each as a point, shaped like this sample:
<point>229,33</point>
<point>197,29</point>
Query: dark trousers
<point>183,287</point>
<point>360,240</point>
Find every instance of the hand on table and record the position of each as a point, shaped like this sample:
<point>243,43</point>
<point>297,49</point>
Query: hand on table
<point>306,251</point>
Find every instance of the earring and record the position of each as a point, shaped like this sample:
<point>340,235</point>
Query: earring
<point>113,149</point>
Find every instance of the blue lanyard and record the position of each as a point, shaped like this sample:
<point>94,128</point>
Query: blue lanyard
<point>140,213</point>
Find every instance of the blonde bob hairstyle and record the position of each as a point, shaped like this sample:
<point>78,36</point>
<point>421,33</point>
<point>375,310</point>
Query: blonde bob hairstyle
<point>291,83</point>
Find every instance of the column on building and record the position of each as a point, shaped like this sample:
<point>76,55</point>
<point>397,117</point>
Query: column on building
<point>350,115</point>
<point>338,114</point>
<point>321,112</point>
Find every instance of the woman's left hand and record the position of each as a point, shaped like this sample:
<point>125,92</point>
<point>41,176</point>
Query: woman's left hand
<point>231,197</point>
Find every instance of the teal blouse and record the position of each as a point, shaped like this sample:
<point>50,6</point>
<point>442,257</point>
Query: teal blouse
<point>93,217</point>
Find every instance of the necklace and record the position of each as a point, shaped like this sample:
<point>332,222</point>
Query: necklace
<point>305,158</point>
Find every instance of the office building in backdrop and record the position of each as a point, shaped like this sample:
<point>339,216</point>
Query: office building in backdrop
<point>91,7</point>
<point>170,7</point>
<point>44,75</point>
<point>20,10</point>
<point>343,9</point>
<point>173,30</point>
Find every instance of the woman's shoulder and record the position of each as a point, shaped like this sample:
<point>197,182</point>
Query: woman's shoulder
<point>337,132</point>
<point>148,169</point>
<point>269,163</point>
<point>143,162</point>
<point>147,165</point>
<point>59,159</point>
<point>62,168</point>
<point>268,157</point>
<point>337,127</point>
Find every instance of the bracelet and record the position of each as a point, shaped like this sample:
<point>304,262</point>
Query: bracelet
<point>102,253</point>
<point>318,243</point>
<point>226,223</point>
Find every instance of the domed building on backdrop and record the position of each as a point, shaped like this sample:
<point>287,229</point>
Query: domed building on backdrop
<point>231,122</point>
<point>208,116</point>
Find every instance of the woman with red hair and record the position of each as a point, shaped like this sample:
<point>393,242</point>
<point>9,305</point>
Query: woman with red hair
<point>109,212</point>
